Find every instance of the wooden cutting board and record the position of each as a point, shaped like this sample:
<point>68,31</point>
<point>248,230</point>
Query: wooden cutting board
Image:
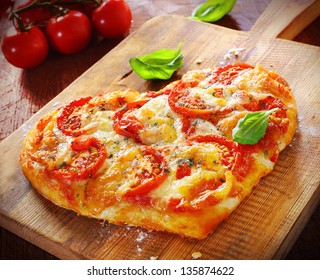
<point>268,221</point>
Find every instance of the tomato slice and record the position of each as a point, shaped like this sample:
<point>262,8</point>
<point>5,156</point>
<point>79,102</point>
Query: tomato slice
<point>196,200</point>
<point>89,155</point>
<point>182,103</point>
<point>231,157</point>
<point>187,127</point>
<point>277,126</point>
<point>69,120</point>
<point>149,179</point>
<point>236,157</point>
<point>153,94</point>
<point>226,74</point>
<point>222,140</point>
<point>268,103</point>
<point>183,170</point>
<point>206,193</point>
<point>126,124</point>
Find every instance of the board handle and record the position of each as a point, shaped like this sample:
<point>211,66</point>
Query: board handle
<point>285,18</point>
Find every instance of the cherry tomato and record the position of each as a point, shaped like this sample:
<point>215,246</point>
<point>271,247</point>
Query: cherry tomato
<point>5,7</point>
<point>69,33</point>
<point>25,49</point>
<point>37,16</point>
<point>112,19</point>
<point>82,7</point>
<point>4,4</point>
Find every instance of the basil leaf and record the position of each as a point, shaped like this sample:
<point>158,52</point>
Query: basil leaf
<point>160,64</point>
<point>213,10</point>
<point>252,127</point>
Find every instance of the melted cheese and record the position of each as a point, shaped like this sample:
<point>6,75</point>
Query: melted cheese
<point>208,96</point>
<point>161,124</point>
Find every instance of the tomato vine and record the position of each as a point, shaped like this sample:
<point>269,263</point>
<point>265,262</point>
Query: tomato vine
<point>67,26</point>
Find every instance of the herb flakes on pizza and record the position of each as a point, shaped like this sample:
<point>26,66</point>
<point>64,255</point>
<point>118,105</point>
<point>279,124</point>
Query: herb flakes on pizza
<point>179,160</point>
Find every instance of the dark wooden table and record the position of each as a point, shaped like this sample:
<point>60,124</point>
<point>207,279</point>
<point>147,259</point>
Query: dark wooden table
<point>24,92</point>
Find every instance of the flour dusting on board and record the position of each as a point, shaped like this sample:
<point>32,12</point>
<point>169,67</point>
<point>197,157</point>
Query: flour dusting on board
<point>142,235</point>
<point>232,56</point>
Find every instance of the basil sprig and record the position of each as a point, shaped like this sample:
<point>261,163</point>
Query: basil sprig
<point>160,64</point>
<point>252,127</point>
<point>213,10</point>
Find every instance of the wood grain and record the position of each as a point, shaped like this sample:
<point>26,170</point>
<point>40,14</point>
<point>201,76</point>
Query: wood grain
<point>258,229</point>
